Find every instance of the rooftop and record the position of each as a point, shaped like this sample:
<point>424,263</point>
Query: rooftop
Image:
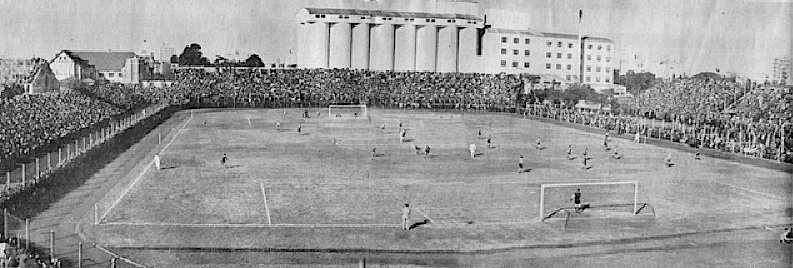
<point>102,60</point>
<point>386,13</point>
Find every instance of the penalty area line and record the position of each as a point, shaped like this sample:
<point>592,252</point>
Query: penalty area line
<point>750,190</point>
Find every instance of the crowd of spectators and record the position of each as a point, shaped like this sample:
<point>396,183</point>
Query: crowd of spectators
<point>752,119</point>
<point>14,254</point>
<point>29,122</point>
<point>321,87</point>
<point>709,113</point>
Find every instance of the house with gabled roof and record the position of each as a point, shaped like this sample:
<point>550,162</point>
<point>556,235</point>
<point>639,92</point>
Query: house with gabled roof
<point>112,66</point>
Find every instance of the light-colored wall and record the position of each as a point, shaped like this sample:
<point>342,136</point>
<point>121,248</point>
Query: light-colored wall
<point>468,61</point>
<point>426,48</point>
<point>340,45</point>
<point>360,46</point>
<point>381,51</point>
<point>405,48</point>
<point>64,67</point>
<point>447,49</point>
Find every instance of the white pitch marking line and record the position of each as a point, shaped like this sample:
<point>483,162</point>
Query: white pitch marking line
<point>249,121</point>
<point>750,190</point>
<point>266,208</point>
<point>144,171</point>
<point>251,225</point>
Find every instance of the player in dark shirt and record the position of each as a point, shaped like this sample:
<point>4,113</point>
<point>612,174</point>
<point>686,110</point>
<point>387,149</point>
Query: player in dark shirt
<point>576,198</point>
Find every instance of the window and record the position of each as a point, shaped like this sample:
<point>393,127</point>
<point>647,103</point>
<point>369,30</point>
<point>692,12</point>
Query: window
<point>568,76</point>
<point>111,74</point>
<point>597,79</point>
<point>608,70</point>
<point>600,47</point>
<point>608,48</point>
<point>558,55</point>
<point>316,16</point>
<point>559,44</point>
<point>515,52</point>
<point>548,66</point>
<point>589,47</point>
<point>588,69</point>
<point>503,39</point>
<point>526,53</point>
<point>569,56</point>
<point>322,16</point>
<point>568,67</point>
<point>527,41</point>
<point>548,55</point>
<point>514,64</point>
<point>503,51</point>
<point>503,63</point>
<point>588,79</point>
<point>597,69</point>
<point>608,59</point>
<point>558,66</point>
<point>588,57</point>
<point>526,65</point>
<point>569,45</point>
<point>607,80</point>
<point>598,58</point>
<point>120,75</point>
<point>549,43</point>
<point>516,40</point>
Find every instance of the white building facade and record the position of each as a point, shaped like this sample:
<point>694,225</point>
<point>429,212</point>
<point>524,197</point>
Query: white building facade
<point>386,40</point>
<point>437,42</point>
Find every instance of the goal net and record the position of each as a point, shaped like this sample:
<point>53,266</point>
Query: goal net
<point>608,198</point>
<point>347,111</point>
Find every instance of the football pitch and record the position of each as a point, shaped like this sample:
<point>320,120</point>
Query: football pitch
<point>327,175</point>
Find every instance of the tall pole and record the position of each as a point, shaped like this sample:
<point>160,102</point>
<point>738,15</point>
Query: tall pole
<point>52,244</point>
<point>5,222</point>
<point>80,255</point>
<point>27,233</point>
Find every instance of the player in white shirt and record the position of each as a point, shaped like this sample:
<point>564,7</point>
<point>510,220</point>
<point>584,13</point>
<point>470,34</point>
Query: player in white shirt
<point>157,161</point>
<point>406,217</point>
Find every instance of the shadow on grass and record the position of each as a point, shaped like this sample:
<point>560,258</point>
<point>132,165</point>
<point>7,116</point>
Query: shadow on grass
<point>417,224</point>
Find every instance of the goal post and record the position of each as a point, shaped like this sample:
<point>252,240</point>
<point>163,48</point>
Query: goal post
<point>619,196</point>
<point>347,111</point>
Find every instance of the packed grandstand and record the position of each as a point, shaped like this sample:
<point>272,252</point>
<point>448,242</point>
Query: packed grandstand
<point>727,116</point>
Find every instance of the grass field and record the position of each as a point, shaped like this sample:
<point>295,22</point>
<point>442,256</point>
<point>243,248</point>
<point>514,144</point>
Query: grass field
<point>326,176</point>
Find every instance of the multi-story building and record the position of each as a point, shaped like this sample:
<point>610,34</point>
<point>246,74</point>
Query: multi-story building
<point>116,67</point>
<point>780,71</point>
<point>440,42</point>
<point>18,71</point>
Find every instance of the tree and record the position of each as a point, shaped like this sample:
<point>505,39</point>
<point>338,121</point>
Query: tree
<point>192,56</point>
<point>636,82</point>
<point>254,61</point>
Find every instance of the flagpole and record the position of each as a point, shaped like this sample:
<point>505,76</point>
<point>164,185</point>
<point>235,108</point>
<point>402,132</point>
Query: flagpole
<point>581,47</point>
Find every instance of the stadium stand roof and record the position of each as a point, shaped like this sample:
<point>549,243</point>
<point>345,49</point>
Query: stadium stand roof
<point>384,13</point>
<point>102,60</point>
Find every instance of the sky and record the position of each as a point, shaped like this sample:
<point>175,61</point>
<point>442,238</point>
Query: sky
<point>690,36</point>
